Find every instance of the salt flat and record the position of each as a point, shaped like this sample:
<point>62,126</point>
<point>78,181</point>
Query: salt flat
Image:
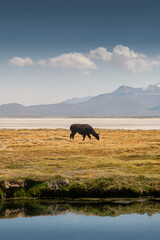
<point>103,123</point>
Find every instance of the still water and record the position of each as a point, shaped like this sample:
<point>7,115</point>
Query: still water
<point>104,123</point>
<point>46,221</point>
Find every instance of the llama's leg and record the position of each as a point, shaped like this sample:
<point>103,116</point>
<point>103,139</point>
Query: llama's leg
<point>89,136</point>
<point>72,135</point>
<point>84,137</point>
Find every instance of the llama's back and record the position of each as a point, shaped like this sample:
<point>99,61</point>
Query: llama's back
<point>74,126</point>
<point>86,128</point>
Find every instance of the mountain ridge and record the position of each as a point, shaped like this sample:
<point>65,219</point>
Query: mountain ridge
<point>125,101</point>
<point>77,100</point>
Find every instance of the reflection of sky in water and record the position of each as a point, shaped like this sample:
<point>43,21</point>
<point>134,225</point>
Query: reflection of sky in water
<point>80,227</point>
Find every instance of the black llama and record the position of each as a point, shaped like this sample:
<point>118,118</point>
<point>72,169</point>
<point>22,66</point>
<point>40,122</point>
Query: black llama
<point>83,129</point>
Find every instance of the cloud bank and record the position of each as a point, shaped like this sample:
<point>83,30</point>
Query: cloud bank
<point>129,60</point>
<point>121,57</point>
<point>72,60</point>
<point>21,62</point>
<point>125,58</point>
<point>100,53</point>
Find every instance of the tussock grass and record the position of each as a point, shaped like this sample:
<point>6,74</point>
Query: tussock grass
<point>44,153</point>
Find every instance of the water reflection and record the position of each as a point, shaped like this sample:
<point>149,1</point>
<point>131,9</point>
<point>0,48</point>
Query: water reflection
<point>112,208</point>
<point>79,221</point>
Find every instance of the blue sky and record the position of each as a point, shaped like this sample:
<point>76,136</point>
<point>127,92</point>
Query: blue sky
<point>51,50</point>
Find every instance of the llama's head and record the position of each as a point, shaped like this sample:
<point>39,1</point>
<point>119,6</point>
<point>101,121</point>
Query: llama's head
<point>97,136</point>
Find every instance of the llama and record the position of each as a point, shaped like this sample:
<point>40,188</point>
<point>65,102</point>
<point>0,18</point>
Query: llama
<point>83,129</point>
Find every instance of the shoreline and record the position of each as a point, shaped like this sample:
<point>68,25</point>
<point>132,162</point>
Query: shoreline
<point>101,188</point>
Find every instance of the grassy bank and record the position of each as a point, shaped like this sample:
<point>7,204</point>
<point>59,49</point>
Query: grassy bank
<point>46,162</point>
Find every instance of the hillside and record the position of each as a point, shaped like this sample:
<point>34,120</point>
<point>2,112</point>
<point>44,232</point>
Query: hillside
<point>123,102</point>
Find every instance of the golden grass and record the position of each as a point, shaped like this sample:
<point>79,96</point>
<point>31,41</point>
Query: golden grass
<point>45,153</point>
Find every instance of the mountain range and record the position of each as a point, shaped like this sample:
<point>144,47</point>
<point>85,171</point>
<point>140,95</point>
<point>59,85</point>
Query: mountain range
<point>123,102</point>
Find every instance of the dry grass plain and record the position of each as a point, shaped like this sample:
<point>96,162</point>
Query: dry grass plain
<point>44,153</point>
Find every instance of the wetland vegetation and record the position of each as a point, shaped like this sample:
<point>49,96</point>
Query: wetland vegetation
<point>46,163</point>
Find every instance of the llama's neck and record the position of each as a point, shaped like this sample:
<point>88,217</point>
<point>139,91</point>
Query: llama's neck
<point>94,133</point>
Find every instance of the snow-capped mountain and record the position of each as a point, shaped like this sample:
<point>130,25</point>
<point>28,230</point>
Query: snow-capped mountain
<point>153,89</point>
<point>123,102</point>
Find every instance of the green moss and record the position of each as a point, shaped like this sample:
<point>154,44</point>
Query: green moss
<point>148,189</point>
<point>114,186</point>
<point>1,194</point>
<point>20,193</point>
<point>136,190</point>
<point>38,190</point>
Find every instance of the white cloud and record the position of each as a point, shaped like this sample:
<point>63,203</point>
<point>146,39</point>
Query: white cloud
<point>124,51</point>
<point>72,60</point>
<point>121,56</point>
<point>100,53</point>
<point>21,62</point>
<point>141,65</point>
<point>129,60</point>
<point>125,58</point>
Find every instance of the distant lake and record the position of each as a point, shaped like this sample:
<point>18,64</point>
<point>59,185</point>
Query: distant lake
<point>53,221</point>
<point>104,123</point>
